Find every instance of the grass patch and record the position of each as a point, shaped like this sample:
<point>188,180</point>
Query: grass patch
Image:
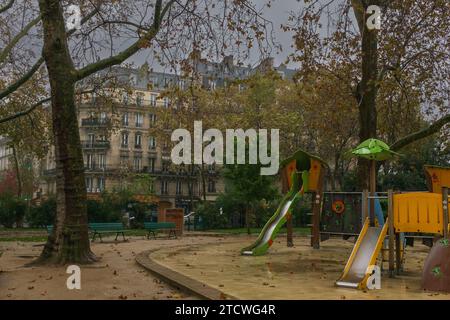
<point>24,239</point>
<point>16,236</point>
<point>297,231</point>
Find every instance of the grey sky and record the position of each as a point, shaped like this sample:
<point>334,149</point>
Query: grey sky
<point>278,14</point>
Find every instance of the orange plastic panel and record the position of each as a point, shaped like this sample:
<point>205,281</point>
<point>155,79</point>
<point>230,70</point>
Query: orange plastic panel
<point>440,177</point>
<point>291,167</point>
<point>314,175</point>
<point>418,212</point>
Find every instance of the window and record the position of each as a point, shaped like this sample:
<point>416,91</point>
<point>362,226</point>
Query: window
<point>166,102</point>
<point>125,98</point>
<point>125,119</point>
<point>152,119</point>
<point>212,85</point>
<point>100,184</point>
<point>179,188</point>
<point>164,187</point>
<point>166,145</point>
<point>182,84</point>
<point>90,161</point>
<point>125,139</point>
<point>153,98</point>
<point>102,161</point>
<point>133,79</point>
<point>89,184</point>
<point>103,117</point>
<point>124,161</point>
<point>139,120</point>
<point>211,186</point>
<point>151,164</point>
<point>91,139</point>
<point>137,163</point>
<point>151,143</point>
<point>139,100</point>
<point>138,140</point>
<point>165,166</point>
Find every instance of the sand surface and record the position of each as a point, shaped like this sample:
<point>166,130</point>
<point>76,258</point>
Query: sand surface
<point>116,276</point>
<point>283,273</point>
<point>290,273</point>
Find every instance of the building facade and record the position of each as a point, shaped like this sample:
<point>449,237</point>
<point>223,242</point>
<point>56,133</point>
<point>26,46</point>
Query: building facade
<point>117,145</point>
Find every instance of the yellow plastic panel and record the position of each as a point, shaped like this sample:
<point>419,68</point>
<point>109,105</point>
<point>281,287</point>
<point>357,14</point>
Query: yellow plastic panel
<point>418,212</point>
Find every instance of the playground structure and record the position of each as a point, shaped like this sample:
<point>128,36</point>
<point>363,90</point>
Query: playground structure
<point>410,212</point>
<point>308,168</point>
<point>332,213</point>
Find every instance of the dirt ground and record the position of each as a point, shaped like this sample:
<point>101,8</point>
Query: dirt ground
<point>116,276</point>
<point>283,273</point>
<point>291,273</point>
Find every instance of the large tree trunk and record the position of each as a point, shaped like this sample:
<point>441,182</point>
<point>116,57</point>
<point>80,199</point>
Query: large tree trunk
<point>367,88</point>
<point>69,241</point>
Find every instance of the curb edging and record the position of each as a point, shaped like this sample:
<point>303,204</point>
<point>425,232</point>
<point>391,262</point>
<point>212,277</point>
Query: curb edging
<point>180,280</point>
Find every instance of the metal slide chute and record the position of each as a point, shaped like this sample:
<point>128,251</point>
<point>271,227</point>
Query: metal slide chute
<point>272,227</point>
<point>364,254</point>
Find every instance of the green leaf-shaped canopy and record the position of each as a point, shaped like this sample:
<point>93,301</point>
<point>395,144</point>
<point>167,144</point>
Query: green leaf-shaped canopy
<point>374,149</point>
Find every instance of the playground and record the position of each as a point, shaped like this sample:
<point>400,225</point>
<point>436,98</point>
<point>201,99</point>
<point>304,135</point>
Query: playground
<point>353,235</point>
<point>299,272</point>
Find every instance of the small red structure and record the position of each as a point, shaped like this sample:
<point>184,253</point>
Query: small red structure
<point>175,215</point>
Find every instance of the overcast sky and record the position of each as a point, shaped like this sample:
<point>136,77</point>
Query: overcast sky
<point>278,14</point>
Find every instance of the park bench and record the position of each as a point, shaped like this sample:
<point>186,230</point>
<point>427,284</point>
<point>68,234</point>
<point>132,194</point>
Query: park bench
<point>104,228</point>
<point>151,227</point>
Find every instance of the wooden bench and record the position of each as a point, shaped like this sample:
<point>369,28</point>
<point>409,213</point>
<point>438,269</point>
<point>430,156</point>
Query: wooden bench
<point>110,227</point>
<point>151,227</point>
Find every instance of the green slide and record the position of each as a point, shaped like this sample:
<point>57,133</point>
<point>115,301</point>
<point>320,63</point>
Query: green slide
<point>273,226</point>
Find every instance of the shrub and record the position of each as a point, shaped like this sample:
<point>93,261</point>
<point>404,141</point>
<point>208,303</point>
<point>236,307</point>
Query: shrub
<point>12,209</point>
<point>102,211</point>
<point>210,216</point>
<point>43,215</point>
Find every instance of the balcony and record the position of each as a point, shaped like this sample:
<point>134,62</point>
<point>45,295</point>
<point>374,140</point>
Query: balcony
<point>95,122</point>
<point>98,145</point>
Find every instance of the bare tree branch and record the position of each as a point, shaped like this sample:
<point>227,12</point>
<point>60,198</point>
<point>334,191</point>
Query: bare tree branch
<point>421,134</point>
<point>34,106</point>
<point>7,6</point>
<point>16,85</point>
<point>6,51</point>
<point>132,49</point>
<point>27,76</point>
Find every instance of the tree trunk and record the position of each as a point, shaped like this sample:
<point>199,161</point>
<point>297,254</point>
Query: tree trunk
<point>19,218</point>
<point>290,231</point>
<point>69,241</point>
<point>18,176</point>
<point>247,218</point>
<point>367,92</point>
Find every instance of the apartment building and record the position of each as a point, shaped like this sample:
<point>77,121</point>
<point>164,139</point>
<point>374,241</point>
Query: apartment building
<point>117,145</point>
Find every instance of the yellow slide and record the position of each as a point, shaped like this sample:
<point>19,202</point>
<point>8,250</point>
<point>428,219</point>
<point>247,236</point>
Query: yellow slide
<point>364,254</point>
